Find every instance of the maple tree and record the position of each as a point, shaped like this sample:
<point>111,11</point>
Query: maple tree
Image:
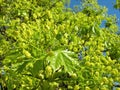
<point>44,45</point>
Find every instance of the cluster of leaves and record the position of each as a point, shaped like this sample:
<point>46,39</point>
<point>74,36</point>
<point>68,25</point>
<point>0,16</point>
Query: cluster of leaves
<point>117,4</point>
<point>46,46</point>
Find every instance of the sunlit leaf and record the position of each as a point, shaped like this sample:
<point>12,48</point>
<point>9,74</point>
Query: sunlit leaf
<point>63,58</point>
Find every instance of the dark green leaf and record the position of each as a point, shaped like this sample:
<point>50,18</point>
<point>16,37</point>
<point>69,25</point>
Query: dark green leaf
<point>37,66</point>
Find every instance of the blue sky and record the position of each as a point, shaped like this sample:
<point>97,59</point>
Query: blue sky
<point>107,3</point>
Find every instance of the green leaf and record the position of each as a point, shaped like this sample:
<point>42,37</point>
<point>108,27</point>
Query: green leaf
<point>64,58</point>
<point>22,66</point>
<point>58,37</point>
<point>37,66</point>
<point>93,29</point>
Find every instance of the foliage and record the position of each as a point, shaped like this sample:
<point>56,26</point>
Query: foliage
<point>45,46</point>
<point>117,5</point>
